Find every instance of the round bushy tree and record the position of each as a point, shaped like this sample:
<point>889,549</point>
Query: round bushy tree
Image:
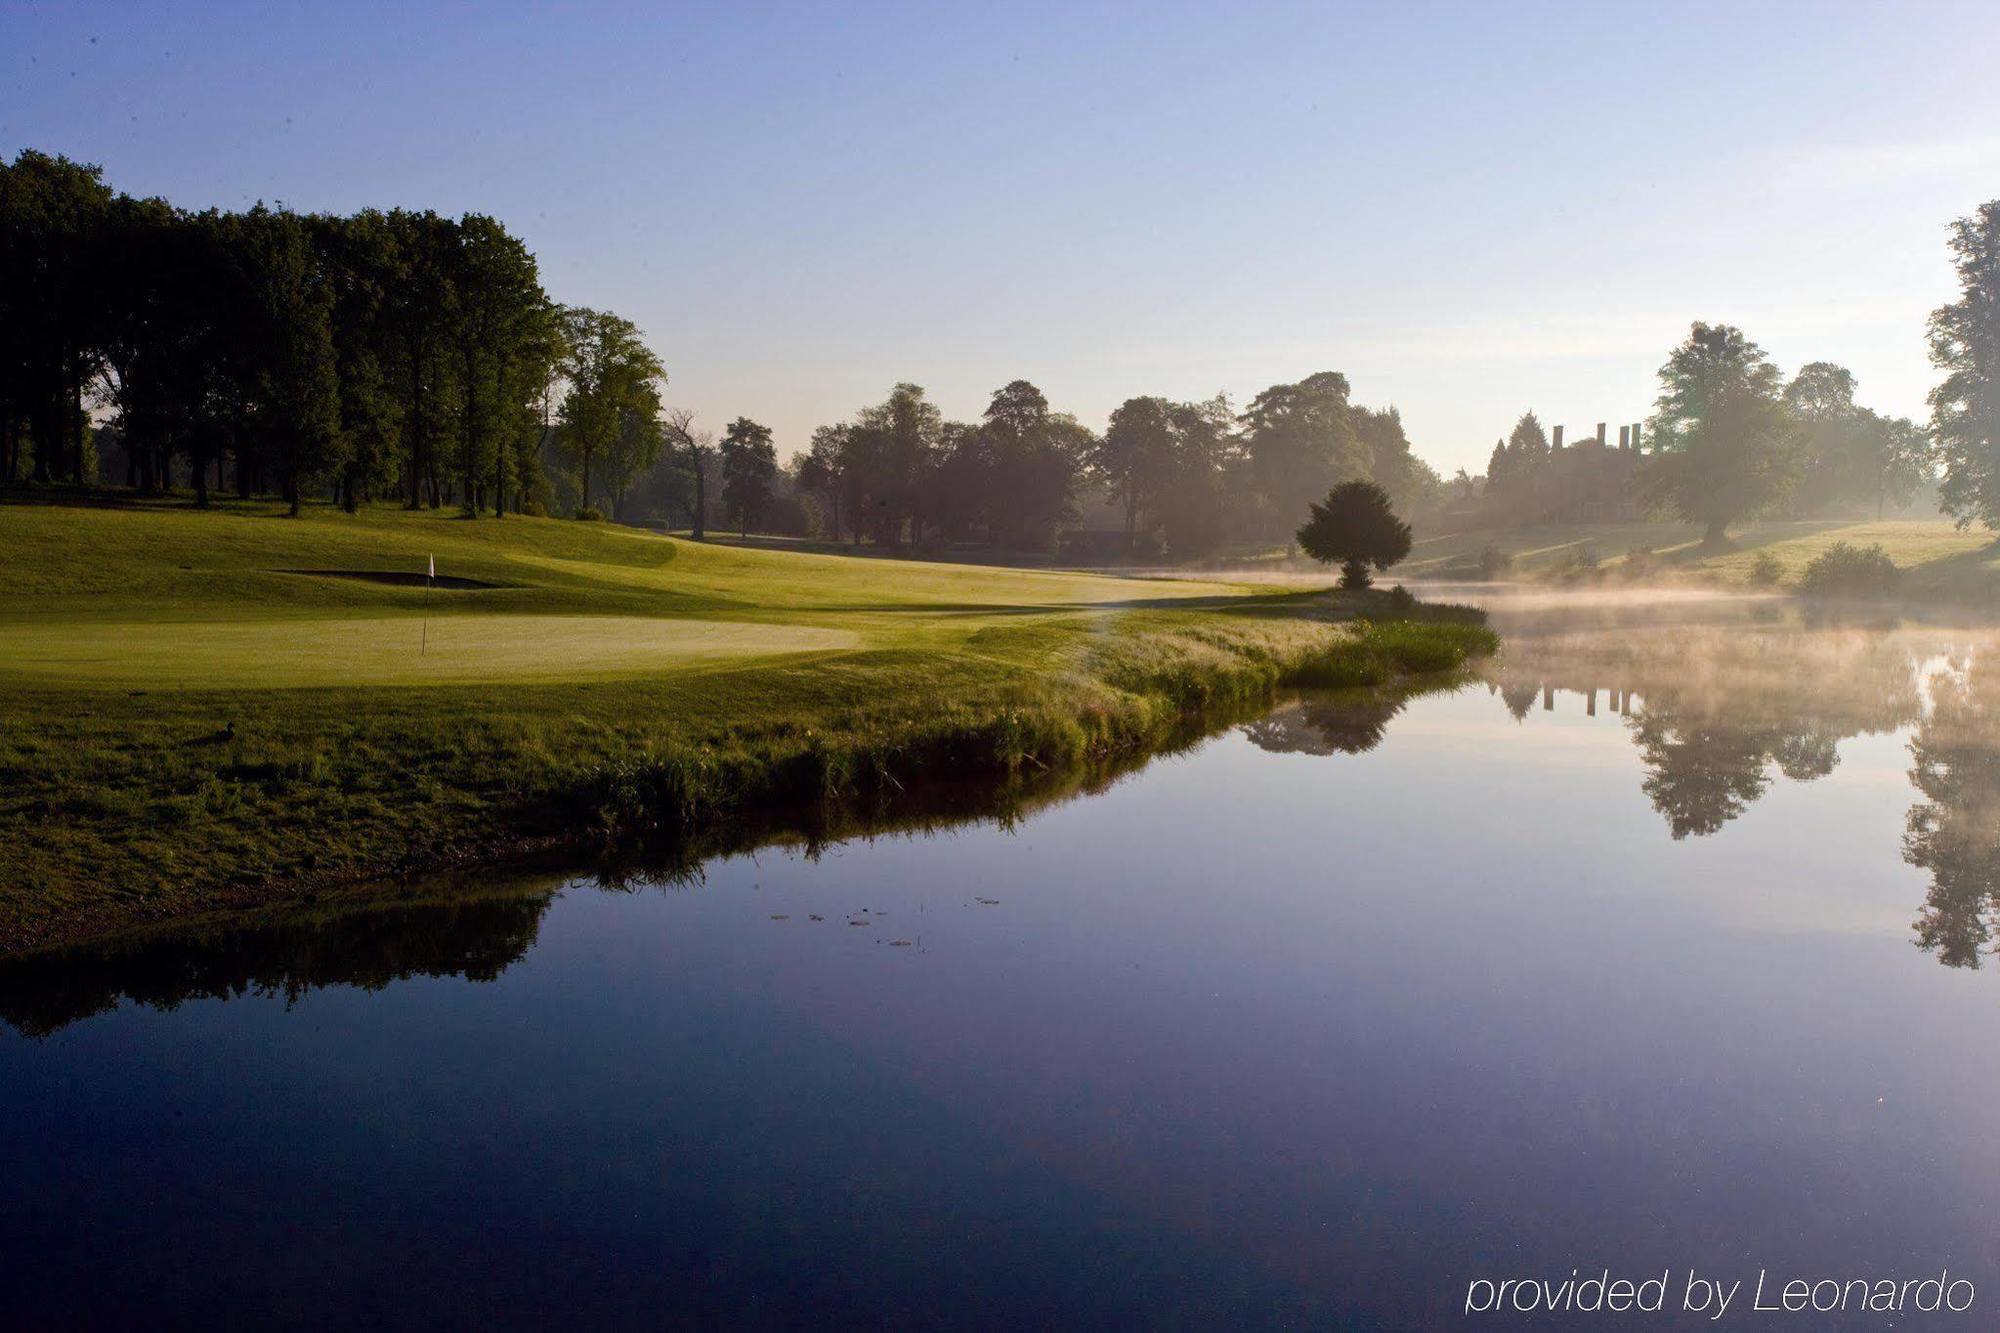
<point>1722,445</point>
<point>1357,526</point>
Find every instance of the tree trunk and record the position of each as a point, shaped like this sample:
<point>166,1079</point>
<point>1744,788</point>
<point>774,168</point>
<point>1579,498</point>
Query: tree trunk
<point>39,429</point>
<point>415,430</point>
<point>1717,536</point>
<point>73,424</point>
<point>584,503</point>
<point>471,437</point>
<point>700,498</point>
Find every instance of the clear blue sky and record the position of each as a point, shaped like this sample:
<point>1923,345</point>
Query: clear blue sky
<point>1471,210</point>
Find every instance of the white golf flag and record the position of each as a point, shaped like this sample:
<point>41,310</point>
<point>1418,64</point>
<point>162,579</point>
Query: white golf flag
<point>434,568</point>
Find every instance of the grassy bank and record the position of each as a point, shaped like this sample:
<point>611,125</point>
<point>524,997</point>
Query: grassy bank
<point>205,710</point>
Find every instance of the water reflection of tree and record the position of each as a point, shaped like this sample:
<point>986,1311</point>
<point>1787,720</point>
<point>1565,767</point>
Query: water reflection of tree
<point>476,926</point>
<point>1347,723</point>
<point>362,946</point>
<point>1699,777</point>
<point>1701,772</point>
<point>1713,713</point>
<point>1954,833</point>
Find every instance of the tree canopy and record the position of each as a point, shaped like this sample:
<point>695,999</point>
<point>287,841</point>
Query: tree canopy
<point>749,465</point>
<point>1722,447</point>
<point>383,354</point>
<point>612,408</point>
<point>1356,525</point>
<point>410,356</point>
<point>1965,344</point>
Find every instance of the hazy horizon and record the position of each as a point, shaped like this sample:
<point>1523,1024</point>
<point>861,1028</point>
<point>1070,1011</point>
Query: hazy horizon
<point>1468,213</point>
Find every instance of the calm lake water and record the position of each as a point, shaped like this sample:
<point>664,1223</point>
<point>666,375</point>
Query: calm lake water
<point>1657,949</point>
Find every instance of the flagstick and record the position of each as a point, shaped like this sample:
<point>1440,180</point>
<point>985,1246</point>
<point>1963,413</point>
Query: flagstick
<point>424,645</point>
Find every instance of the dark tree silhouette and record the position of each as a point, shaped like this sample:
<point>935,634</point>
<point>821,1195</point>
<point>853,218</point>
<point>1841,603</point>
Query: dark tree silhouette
<point>1965,344</point>
<point>749,464</point>
<point>1357,526</point>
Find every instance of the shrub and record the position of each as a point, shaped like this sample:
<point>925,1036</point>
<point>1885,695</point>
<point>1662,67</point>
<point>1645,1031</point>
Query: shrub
<point>1640,563</point>
<point>589,515</point>
<point>1767,569</point>
<point>533,508</point>
<point>1842,570</point>
<point>1493,562</point>
<point>1582,558</point>
<point>1357,527</point>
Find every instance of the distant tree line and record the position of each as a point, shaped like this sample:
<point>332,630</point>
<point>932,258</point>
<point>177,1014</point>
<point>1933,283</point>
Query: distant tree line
<point>1730,439</point>
<point>408,357</point>
<point>1181,478</point>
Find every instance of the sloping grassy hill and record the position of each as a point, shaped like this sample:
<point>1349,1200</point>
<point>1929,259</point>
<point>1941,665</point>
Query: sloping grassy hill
<point>206,708</point>
<point>172,598</point>
<point>1938,560</point>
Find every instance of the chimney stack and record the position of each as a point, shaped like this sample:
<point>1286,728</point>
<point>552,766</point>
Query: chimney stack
<point>1558,437</point>
<point>1636,443</point>
<point>1624,437</point>
<point>1600,434</point>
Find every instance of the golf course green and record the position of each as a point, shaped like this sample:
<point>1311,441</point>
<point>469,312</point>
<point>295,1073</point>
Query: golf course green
<point>203,710</point>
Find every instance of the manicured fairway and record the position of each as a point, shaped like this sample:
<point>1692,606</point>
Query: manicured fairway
<point>166,598</point>
<point>392,650</point>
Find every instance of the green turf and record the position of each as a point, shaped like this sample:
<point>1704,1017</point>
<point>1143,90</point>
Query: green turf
<point>197,708</point>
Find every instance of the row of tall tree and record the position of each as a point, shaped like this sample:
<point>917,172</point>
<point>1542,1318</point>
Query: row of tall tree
<point>385,355</point>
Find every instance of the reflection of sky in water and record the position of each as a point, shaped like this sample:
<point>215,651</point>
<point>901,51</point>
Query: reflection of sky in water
<point>1253,1035</point>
